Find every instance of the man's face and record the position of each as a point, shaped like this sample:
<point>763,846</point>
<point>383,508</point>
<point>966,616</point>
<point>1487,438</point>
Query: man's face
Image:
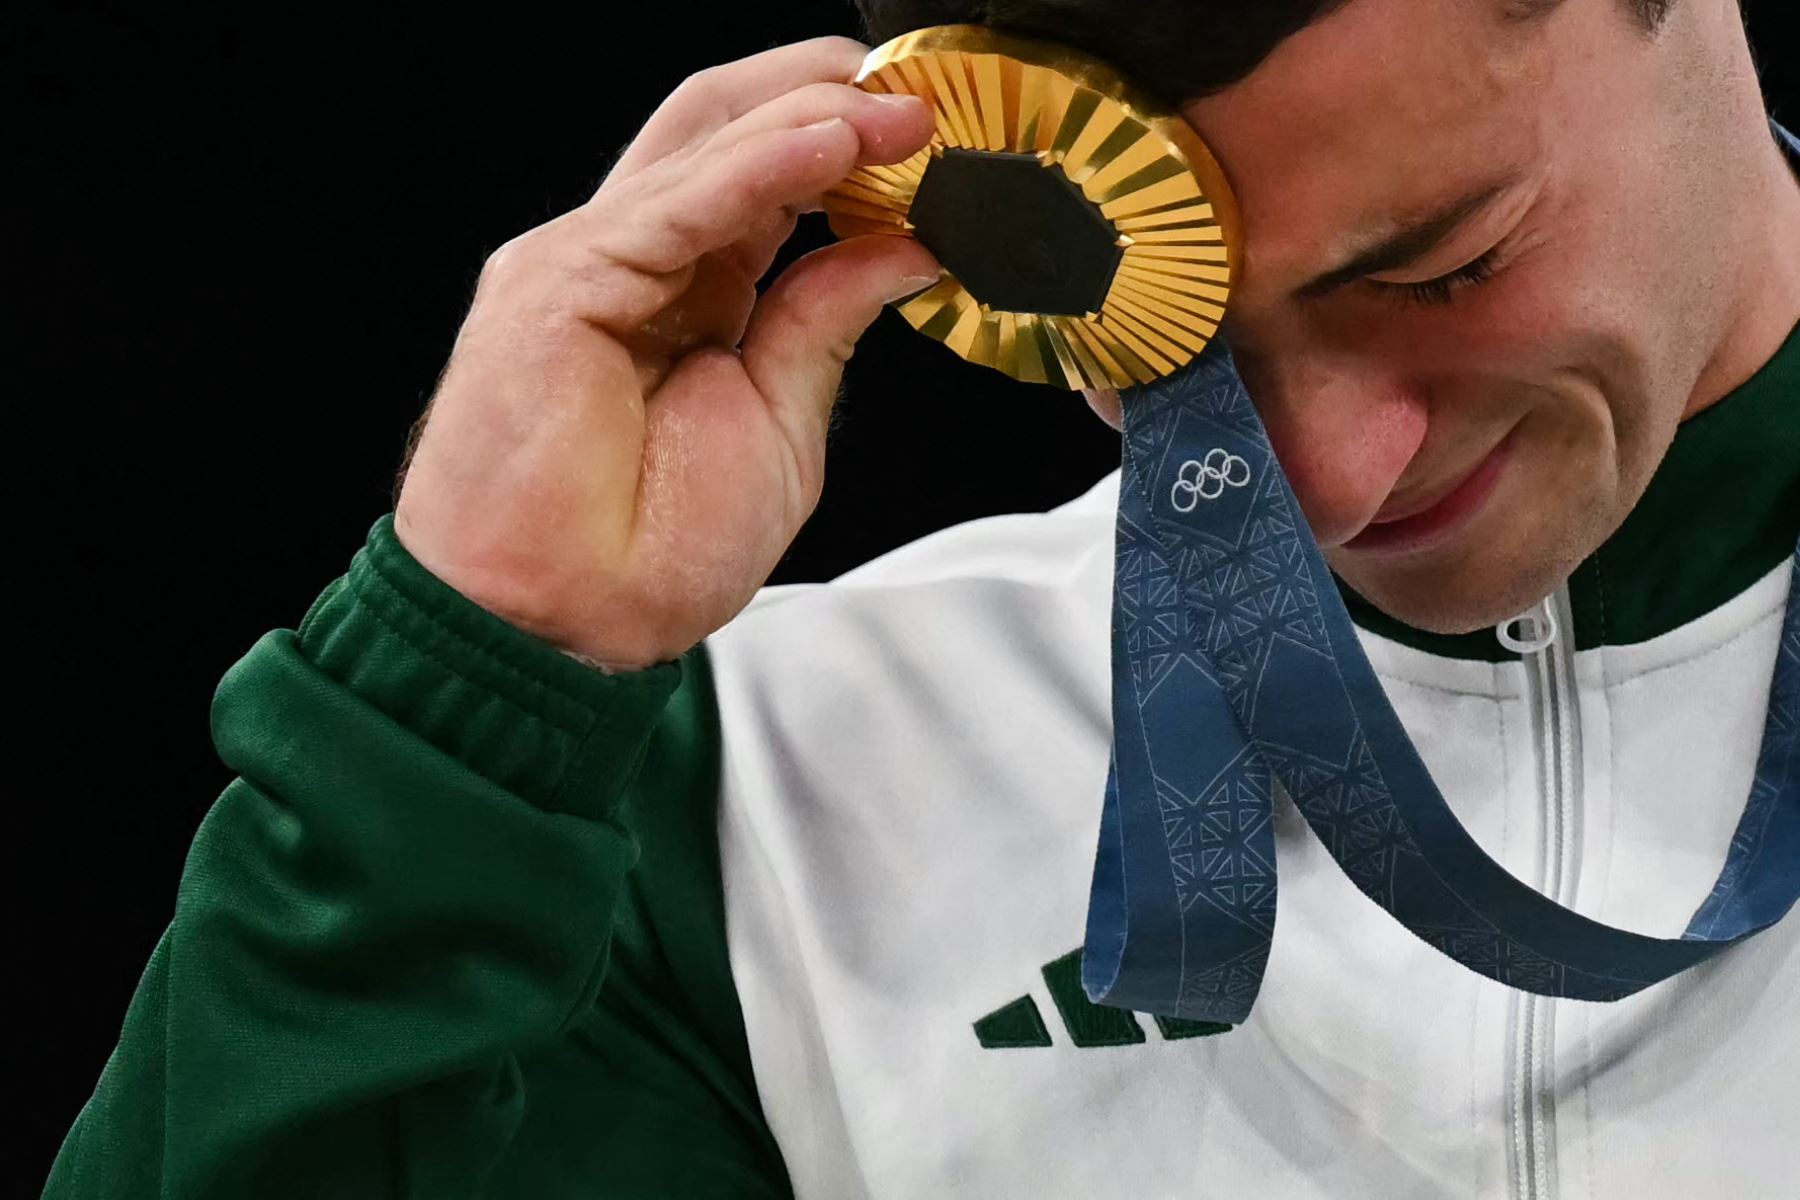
<point>1468,417</point>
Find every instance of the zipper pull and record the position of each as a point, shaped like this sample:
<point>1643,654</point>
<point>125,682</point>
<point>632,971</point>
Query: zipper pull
<point>1536,629</point>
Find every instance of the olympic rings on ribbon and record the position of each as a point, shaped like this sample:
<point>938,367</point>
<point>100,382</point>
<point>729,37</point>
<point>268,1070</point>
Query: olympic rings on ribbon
<point>1197,480</point>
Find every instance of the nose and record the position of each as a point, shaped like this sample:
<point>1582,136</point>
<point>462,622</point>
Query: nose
<point>1343,430</point>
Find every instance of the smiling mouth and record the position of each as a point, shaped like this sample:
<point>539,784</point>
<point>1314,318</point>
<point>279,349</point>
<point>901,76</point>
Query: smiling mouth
<point>1424,526</point>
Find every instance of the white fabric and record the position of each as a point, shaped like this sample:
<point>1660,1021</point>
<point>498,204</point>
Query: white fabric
<point>913,760</point>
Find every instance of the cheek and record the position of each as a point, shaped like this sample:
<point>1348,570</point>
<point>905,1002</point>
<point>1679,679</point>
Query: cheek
<point>1343,429</point>
<point>1555,351</point>
<point>1521,341</point>
<point>1517,336</point>
<point>1578,307</point>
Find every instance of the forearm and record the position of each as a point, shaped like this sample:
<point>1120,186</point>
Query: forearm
<point>412,880</point>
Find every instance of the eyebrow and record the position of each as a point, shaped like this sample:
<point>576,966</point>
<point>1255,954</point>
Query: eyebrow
<point>1406,246</point>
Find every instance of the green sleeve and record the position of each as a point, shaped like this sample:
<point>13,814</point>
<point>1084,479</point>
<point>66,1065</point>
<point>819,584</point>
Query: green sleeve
<point>455,929</point>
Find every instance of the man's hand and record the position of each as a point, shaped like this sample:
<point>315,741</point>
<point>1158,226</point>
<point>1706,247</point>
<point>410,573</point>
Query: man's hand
<point>626,438</point>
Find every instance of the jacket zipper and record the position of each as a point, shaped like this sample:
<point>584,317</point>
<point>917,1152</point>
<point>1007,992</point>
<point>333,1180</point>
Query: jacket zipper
<point>1543,636</point>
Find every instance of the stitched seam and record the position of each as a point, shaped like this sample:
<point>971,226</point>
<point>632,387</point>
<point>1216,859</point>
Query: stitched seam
<point>527,682</point>
<point>1632,680</point>
<point>575,1009</point>
<point>318,605</point>
<point>1587,1096</point>
<point>1475,1138</point>
<point>1446,690</point>
<point>487,691</point>
<point>1505,774</point>
<point>376,570</point>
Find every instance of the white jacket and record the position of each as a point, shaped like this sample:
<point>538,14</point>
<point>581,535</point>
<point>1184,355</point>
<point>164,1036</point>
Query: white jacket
<point>913,763</point>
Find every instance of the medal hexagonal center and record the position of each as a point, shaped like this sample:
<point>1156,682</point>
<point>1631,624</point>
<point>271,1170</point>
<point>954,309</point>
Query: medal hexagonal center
<point>1015,231</point>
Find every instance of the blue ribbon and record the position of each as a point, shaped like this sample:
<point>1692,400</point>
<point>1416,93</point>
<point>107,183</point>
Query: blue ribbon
<point>1236,667</point>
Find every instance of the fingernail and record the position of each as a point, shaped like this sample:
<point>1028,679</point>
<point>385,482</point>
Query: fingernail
<point>912,285</point>
<point>896,99</point>
<point>827,123</point>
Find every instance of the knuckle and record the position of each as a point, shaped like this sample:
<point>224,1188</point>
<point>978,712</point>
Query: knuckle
<point>703,89</point>
<point>820,101</point>
<point>838,44</point>
<point>679,227</point>
<point>505,260</point>
<point>547,252</point>
<point>828,97</point>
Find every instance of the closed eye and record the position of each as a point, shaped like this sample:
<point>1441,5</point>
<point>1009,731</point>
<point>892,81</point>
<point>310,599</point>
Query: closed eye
<point>1443,289</point>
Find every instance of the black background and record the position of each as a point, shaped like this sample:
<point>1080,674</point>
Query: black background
<point>243,245</point>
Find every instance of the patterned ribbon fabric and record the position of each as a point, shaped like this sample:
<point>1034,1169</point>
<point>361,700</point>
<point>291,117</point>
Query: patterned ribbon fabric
<point>1235,668</point>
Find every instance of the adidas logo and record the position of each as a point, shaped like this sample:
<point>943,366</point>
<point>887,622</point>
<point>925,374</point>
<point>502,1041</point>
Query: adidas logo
<point>1019,1024</point>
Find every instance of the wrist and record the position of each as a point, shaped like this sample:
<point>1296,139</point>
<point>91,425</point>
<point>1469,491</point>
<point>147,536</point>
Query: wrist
<point>605,668</point>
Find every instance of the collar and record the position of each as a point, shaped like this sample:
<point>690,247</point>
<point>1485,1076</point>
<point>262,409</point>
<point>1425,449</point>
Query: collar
<point>1721,512</point>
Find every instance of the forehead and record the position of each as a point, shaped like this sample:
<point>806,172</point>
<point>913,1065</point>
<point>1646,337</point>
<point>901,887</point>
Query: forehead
<point>1372,116</point>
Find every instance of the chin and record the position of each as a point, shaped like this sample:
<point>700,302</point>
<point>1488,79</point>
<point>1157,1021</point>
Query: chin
<point>1448,594</point>
<point>1445,615</point>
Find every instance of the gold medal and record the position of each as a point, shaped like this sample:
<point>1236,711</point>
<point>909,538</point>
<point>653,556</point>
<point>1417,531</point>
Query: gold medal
<point>1088,237</point>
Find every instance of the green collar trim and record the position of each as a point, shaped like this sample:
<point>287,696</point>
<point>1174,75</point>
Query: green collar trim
<point>1721,512</point>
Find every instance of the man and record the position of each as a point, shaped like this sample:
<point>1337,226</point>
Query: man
<point>565,861</point>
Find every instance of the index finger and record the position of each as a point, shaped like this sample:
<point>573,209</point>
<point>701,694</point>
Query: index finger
<point>708,100</point>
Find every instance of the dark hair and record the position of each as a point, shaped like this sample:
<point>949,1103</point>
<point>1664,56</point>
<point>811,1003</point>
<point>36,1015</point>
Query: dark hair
<point>1178,49</point>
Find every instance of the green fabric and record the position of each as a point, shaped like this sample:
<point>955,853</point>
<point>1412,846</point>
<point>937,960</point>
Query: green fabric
<point>1722,511</point>
<point>455,929</point>
<point>1089,1024</point>
<point>1012,1026</point>
<point>1176,1028</point>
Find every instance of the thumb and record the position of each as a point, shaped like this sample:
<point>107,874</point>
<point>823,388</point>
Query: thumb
<point>806,325</point>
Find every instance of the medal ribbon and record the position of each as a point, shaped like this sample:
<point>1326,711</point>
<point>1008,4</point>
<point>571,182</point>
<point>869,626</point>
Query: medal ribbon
<point>1236,668</point>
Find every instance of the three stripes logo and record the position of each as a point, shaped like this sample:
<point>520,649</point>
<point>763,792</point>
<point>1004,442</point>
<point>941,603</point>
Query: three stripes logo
<point>1019,1024</point>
